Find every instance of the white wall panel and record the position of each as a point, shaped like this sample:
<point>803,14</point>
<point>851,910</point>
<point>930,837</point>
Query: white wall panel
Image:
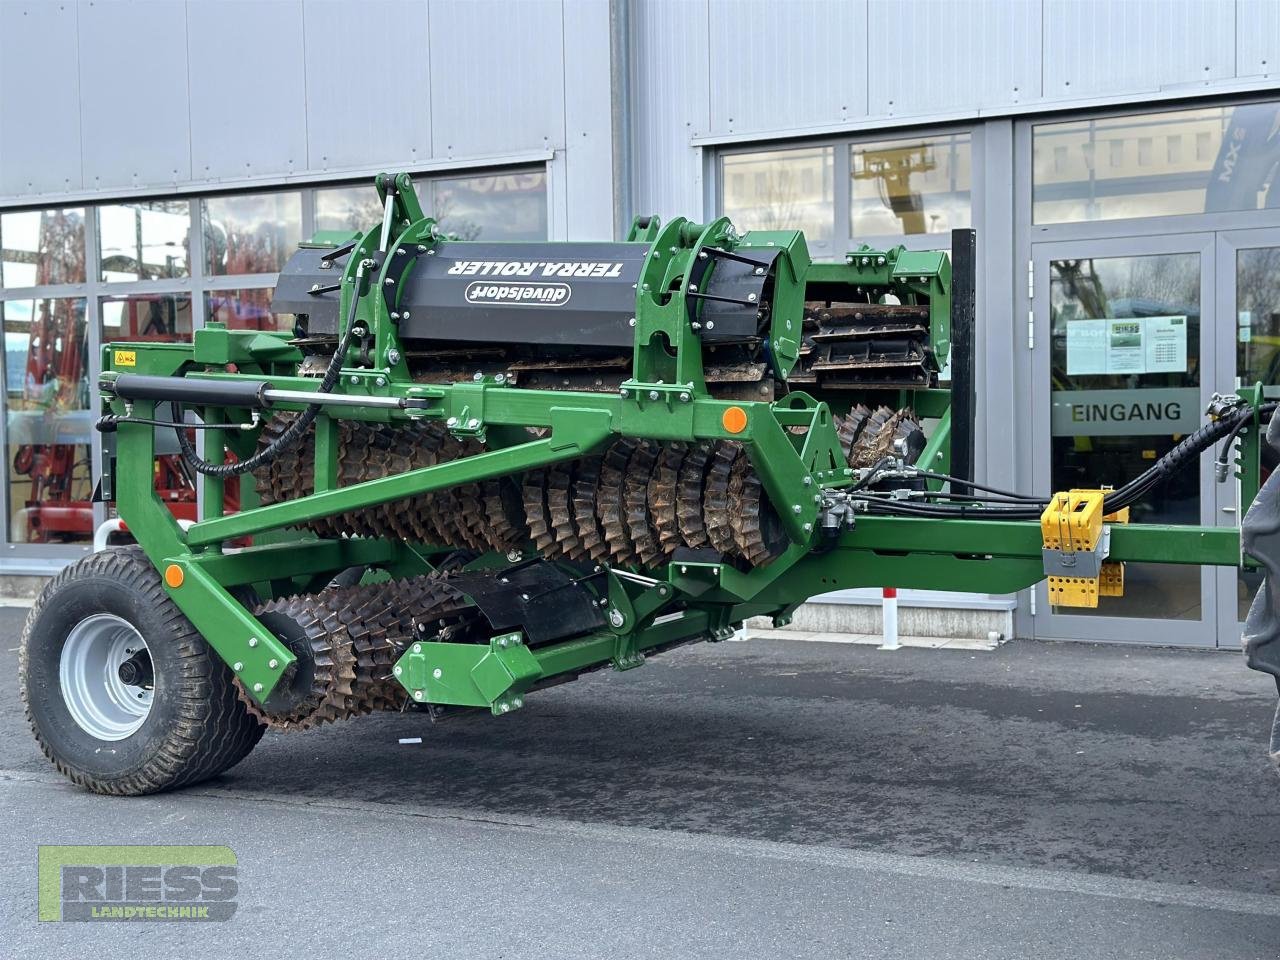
<point>497,76</point>
<point>1257,37</point>
<point>133,117</point>
<point>588,123</point>
<point>248,98</point>
<point>349,124</point>
<point>1098,48</point>
<point>39,98</point>
<point>929,57</point>
<point>785,65</point>
<point>670,104</point>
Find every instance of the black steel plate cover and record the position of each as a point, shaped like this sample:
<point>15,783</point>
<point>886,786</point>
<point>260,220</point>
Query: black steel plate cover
<point>540,598</point>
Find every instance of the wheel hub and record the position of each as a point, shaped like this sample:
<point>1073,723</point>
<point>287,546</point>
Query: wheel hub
<point>106,678</point>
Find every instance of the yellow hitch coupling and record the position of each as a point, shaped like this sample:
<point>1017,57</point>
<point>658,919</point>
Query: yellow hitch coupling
<point>1077,541</point>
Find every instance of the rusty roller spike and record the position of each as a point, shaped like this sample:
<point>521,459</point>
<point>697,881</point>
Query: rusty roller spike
<point>505,510</point>
<point>460,513</point>
<point>609,501</point>
<point>348,640</point>
<point>534,493</point>
<point>849,427</point>
<point>875,441</point>
<point>586,520</point>
<point>635,497</point>
<point>908,435</point>
<point>693,474</point>
<point>382,627</point>
<point>716,509</point>
<point>316,688</point>
<point>560,511</point>
<point>662,495</point>
<point>756,530</point>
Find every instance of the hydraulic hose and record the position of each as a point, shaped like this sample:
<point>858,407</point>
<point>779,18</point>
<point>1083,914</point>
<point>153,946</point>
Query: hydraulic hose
<point>294,432</point>
<point>1185,453</point>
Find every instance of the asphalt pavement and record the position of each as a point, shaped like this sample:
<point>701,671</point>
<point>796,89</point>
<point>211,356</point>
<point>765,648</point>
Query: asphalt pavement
<point>755,799</point>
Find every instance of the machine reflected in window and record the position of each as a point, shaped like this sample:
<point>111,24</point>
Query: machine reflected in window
<point>48,421</point>
<point>42,247</point>
<point>912,186</point>
<point>147,240</point>
<point>246,310</point>
<point>250,233</point>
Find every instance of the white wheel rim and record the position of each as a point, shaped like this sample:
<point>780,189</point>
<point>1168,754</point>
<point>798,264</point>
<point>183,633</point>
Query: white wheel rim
<point>100,703</point>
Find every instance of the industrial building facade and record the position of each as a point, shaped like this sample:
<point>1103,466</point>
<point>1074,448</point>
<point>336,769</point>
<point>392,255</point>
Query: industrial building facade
<point>1117,159</point>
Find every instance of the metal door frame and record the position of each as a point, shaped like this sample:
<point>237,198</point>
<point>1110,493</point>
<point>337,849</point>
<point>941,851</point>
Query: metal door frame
<point>1059,626</point>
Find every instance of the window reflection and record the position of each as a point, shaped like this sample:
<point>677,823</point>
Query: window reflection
<point>39,247</point>
<point>143,317</point>
<point>1157,164</point>
<point>48,420</point>
<point>246,310</point>
<point>348,208</point>
<point>250,233</point>
<point>781,190</point>
<point>910,186</point>
<point>144,241</point>
<point>510,206</point>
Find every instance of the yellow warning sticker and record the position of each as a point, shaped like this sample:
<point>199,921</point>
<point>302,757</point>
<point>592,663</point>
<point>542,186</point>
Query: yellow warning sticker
<point>125,358</point>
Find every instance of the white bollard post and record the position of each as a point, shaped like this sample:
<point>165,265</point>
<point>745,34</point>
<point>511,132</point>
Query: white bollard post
<point>889,607</point>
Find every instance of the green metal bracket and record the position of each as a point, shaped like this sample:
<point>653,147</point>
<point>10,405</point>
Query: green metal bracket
<point>215,345</point>
<point>644,229</point>
<point>469,674</point>
<point>256,656</point>
<point>663,410</point>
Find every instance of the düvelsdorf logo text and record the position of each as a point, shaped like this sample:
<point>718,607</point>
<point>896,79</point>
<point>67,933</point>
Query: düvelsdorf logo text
<point>137,883</point>
<point>528,294</point>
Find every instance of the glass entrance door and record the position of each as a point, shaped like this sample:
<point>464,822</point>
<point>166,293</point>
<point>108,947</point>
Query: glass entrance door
<point>1248,341</point>
<point>1123,357</point>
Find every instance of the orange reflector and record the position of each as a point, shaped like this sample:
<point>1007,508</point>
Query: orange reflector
<point>734,419</point>
<point>173,575</point>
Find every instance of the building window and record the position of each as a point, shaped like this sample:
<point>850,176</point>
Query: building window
<point>509,206</point>
<point>500,206</point>
<point>144,241</point>
<point>48,421</point>
<point>250,233</point>
<point>347,208</point>
<point>41,248</point>
<point>144,317</point>
<point>1231,164</point>
<point>910,186</point>
<point>781,190</point>
<point>848,192</point>
<point>248,309</point>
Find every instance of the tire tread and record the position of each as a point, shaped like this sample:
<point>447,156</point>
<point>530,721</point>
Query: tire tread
<point>212,732</point>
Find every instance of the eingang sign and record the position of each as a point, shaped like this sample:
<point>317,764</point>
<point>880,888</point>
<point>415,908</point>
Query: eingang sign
<point>1125,413</point>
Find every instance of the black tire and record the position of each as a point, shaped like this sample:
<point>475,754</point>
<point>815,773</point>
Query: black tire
<point>196,727</point>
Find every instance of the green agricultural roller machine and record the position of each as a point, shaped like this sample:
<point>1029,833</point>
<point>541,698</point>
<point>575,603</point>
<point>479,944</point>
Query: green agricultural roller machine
<point>476,469</point>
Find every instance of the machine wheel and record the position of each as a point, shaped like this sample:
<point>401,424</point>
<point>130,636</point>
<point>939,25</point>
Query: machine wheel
<point>123,694</point>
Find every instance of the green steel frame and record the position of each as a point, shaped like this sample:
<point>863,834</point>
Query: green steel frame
<point>666,399</point>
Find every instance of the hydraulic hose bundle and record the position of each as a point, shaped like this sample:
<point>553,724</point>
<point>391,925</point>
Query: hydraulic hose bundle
<point>1004,505</point>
